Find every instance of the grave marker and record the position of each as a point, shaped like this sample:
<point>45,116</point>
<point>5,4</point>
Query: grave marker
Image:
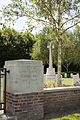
<point>65,75</point>
<point>75,79</point>
<point>71,75</point>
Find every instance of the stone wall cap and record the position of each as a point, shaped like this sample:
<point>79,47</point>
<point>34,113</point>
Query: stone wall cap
<point>23,62</point>
<point>61,89</point>
<point>21,93</point>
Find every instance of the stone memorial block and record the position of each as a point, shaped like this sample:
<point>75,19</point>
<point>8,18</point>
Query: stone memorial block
<point>75,79</point>
<point>25,76</point>
<point>24,89</point>
<point>50,77</point>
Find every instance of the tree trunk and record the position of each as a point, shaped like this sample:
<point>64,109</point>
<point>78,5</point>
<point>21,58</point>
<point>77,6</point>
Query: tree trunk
<point>59,62</point>
<point>59,42</point>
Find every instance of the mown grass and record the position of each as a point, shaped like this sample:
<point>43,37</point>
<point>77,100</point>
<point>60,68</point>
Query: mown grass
<point>69,117</point>
<point>66,81</point>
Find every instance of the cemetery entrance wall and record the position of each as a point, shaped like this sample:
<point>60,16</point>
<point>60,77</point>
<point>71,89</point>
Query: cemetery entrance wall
<point>26,97</point>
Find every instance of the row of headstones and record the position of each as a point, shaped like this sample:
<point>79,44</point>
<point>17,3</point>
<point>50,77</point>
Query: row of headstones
<point>75,79</point>
<point>69,75</point>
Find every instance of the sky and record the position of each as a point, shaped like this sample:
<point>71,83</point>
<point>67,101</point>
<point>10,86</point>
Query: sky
<point>20,23</point>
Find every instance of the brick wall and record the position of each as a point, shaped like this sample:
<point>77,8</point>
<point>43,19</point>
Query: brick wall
<point>27,106</point>
<point>33,106</point>
<point>58,100</point>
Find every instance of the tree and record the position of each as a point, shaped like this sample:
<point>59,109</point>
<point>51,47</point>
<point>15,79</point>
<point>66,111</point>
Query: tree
<point>68,50</point>
<point>76,35</point>
<point>40,50</point>
<point>55,13</point>
<point>14,45</point>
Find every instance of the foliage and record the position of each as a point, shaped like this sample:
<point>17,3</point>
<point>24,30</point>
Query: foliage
<point>14,45</point>
<point>55,13</point>
<point>68,50</point>
<point>76,34</point>
<point>40,50</point>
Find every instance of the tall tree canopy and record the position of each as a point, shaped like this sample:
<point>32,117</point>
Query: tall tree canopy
<point>15,45</point>
<point>55,13</point>
<point>70,49</point>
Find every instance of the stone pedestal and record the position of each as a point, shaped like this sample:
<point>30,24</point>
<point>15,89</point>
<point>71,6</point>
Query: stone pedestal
<point>50,71</point>
<point>50,74</point>
<point>24,89</point>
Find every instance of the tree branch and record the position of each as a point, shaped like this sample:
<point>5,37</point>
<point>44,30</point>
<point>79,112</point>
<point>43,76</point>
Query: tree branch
<point>52,17</point>
<point>70,20</point>
<point>69,27</point>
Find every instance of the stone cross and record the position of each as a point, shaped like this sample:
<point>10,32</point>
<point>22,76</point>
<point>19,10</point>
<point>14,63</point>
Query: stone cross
<point>50,55</point>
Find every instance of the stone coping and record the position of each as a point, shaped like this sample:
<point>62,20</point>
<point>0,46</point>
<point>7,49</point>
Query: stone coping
<point>23,62</point>
<point>61,89</point>
<point>51,90</point>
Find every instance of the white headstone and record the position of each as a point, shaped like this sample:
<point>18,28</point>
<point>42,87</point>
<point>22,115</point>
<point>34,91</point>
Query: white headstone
<point>71,75</point>
<point>75,79</point>
<point>25,76</point>
<point>58,78</point>
<point>65,75</point>
<point>78,74</point>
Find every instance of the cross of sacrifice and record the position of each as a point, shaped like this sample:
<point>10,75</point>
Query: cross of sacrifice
<point>50,55</point>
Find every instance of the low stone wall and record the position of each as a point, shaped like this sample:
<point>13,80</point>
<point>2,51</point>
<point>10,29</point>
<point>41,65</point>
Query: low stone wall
<point>64,99</point>
<point>34,106</point>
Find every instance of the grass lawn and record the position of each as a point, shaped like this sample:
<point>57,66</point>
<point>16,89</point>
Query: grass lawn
<point>69,117</point>
<point>65,82</point>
